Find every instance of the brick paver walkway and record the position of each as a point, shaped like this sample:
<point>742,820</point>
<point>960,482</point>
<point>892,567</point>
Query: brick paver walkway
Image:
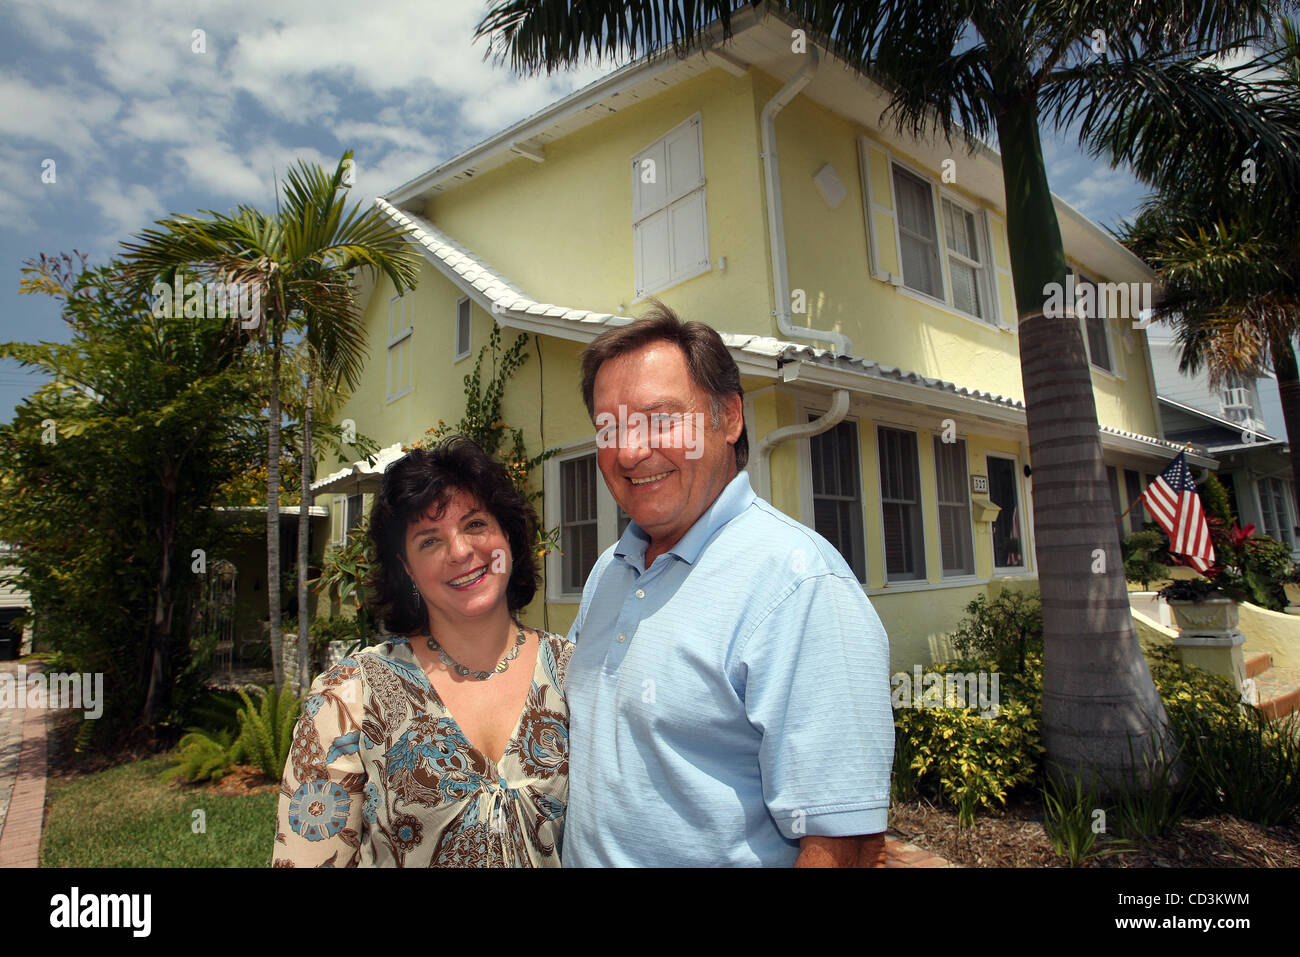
<point>22,781</point>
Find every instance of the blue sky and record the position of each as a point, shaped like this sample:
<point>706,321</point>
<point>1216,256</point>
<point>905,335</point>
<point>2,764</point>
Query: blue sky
<point>140,125</point>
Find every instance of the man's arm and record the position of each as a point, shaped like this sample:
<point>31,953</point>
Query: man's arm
<point>865,850</point>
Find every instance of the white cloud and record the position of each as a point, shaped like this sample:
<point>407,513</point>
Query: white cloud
<point>126,209</point>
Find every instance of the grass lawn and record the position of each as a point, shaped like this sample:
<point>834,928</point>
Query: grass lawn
<point>126,817</point>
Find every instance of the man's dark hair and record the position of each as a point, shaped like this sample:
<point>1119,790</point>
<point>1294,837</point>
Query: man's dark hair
<point>707,359</point>
<point>425,478</point>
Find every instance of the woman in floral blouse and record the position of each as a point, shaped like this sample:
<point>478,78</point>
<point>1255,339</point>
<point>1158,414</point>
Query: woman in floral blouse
<point>447,743</point>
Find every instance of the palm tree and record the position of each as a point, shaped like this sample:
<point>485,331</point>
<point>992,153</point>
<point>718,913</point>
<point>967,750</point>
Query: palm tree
<point>297,258</point>
<point>1228,255</point>
<point>976,67</point>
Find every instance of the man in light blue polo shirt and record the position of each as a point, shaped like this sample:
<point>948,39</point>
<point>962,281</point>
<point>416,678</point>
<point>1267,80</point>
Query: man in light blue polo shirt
<point>729,692</point>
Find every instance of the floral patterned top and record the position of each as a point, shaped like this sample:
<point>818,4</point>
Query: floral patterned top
<point>379,774</point>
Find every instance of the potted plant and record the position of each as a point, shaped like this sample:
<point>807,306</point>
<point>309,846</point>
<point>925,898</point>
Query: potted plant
<point>1204,606</point>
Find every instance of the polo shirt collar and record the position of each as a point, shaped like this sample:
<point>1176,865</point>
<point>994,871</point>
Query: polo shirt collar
<point>731,501</point>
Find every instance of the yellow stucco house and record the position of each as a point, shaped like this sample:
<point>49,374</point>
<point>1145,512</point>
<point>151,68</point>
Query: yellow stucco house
<point>861,280</point>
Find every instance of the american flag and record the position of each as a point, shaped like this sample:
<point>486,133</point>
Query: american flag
<point>1175,505</point>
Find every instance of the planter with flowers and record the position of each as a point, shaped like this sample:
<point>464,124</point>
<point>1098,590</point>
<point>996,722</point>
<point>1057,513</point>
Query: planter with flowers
<point>1205,611</point>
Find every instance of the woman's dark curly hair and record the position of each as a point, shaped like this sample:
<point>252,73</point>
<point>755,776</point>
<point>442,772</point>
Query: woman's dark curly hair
<point>429,477</point>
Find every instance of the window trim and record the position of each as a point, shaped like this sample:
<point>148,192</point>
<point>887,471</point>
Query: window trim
<point>404,336</point>
<point>457,355</point>
<point>1017,474</point>
<point>920,501</point>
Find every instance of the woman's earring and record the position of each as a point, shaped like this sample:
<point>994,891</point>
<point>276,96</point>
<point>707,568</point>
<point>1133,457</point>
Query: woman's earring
<point>415,592</point>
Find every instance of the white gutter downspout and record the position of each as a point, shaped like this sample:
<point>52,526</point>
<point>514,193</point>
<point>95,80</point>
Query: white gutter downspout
<point>839,408</point>
<point>775,220</point>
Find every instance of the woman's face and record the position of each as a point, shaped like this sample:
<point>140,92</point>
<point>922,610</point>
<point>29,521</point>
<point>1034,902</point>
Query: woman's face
<point>460,560</point>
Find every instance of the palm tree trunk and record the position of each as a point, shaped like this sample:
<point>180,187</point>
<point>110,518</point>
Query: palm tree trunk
<point>1288,387</point>
<point>1101,712</point>
<point>303,678</point>
<point>273,514</point>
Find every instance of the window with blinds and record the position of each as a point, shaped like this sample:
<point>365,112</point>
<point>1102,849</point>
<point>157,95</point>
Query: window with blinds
<point>578,533</point>
<point>900,505</point>
<point>917,234</point>
<point>966,260</point>
<point>837,493</point>
<point>955,538</point>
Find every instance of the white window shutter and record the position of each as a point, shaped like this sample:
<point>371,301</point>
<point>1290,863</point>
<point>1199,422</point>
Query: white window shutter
<point>650,239</point>
<point>651,165</point>
<point>684,164</point>
<point>869,212</point>
<point>989,270</point>
<point>688,233</point>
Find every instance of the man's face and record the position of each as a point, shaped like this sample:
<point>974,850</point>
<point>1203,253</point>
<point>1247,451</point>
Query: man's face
<point>686,475</point>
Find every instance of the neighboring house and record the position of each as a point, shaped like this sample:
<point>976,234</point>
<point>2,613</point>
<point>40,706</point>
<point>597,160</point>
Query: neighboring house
<point>14,641</point>
<point>863,288</point>
<point>1230,425</point>
<point>1254,467</point>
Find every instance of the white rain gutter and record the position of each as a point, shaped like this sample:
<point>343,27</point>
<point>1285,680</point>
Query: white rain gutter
<point>839,408</point>
<point>776,221</point>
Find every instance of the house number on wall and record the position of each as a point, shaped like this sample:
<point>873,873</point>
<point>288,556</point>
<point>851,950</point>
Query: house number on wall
<point>979,484</point>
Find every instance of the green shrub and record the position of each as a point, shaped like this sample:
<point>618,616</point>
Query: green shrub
<point>1251,770</point>
<point>1007,629</point>
<point>1193,698</point>
<point>1234,759</point>
<point>1215,498</point>
<point>214,711</point>
<point>961,758</point>
<point>1142,556</point>
<point>266,732</point>
<point>202,757</point>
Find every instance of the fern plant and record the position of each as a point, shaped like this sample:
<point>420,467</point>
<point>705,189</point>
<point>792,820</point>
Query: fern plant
<point>266,730</point>
<point>204,757</point>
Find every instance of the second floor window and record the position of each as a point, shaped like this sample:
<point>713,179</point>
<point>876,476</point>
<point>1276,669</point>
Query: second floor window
<point>1095,334</point>
<point>917,234</point>
<point>966,260</point>
<point>957,241</point>
<point>670,230</point>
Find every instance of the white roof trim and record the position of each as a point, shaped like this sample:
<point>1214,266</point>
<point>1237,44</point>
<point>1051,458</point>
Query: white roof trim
<point>351,478</point>
<point>755,355</point>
